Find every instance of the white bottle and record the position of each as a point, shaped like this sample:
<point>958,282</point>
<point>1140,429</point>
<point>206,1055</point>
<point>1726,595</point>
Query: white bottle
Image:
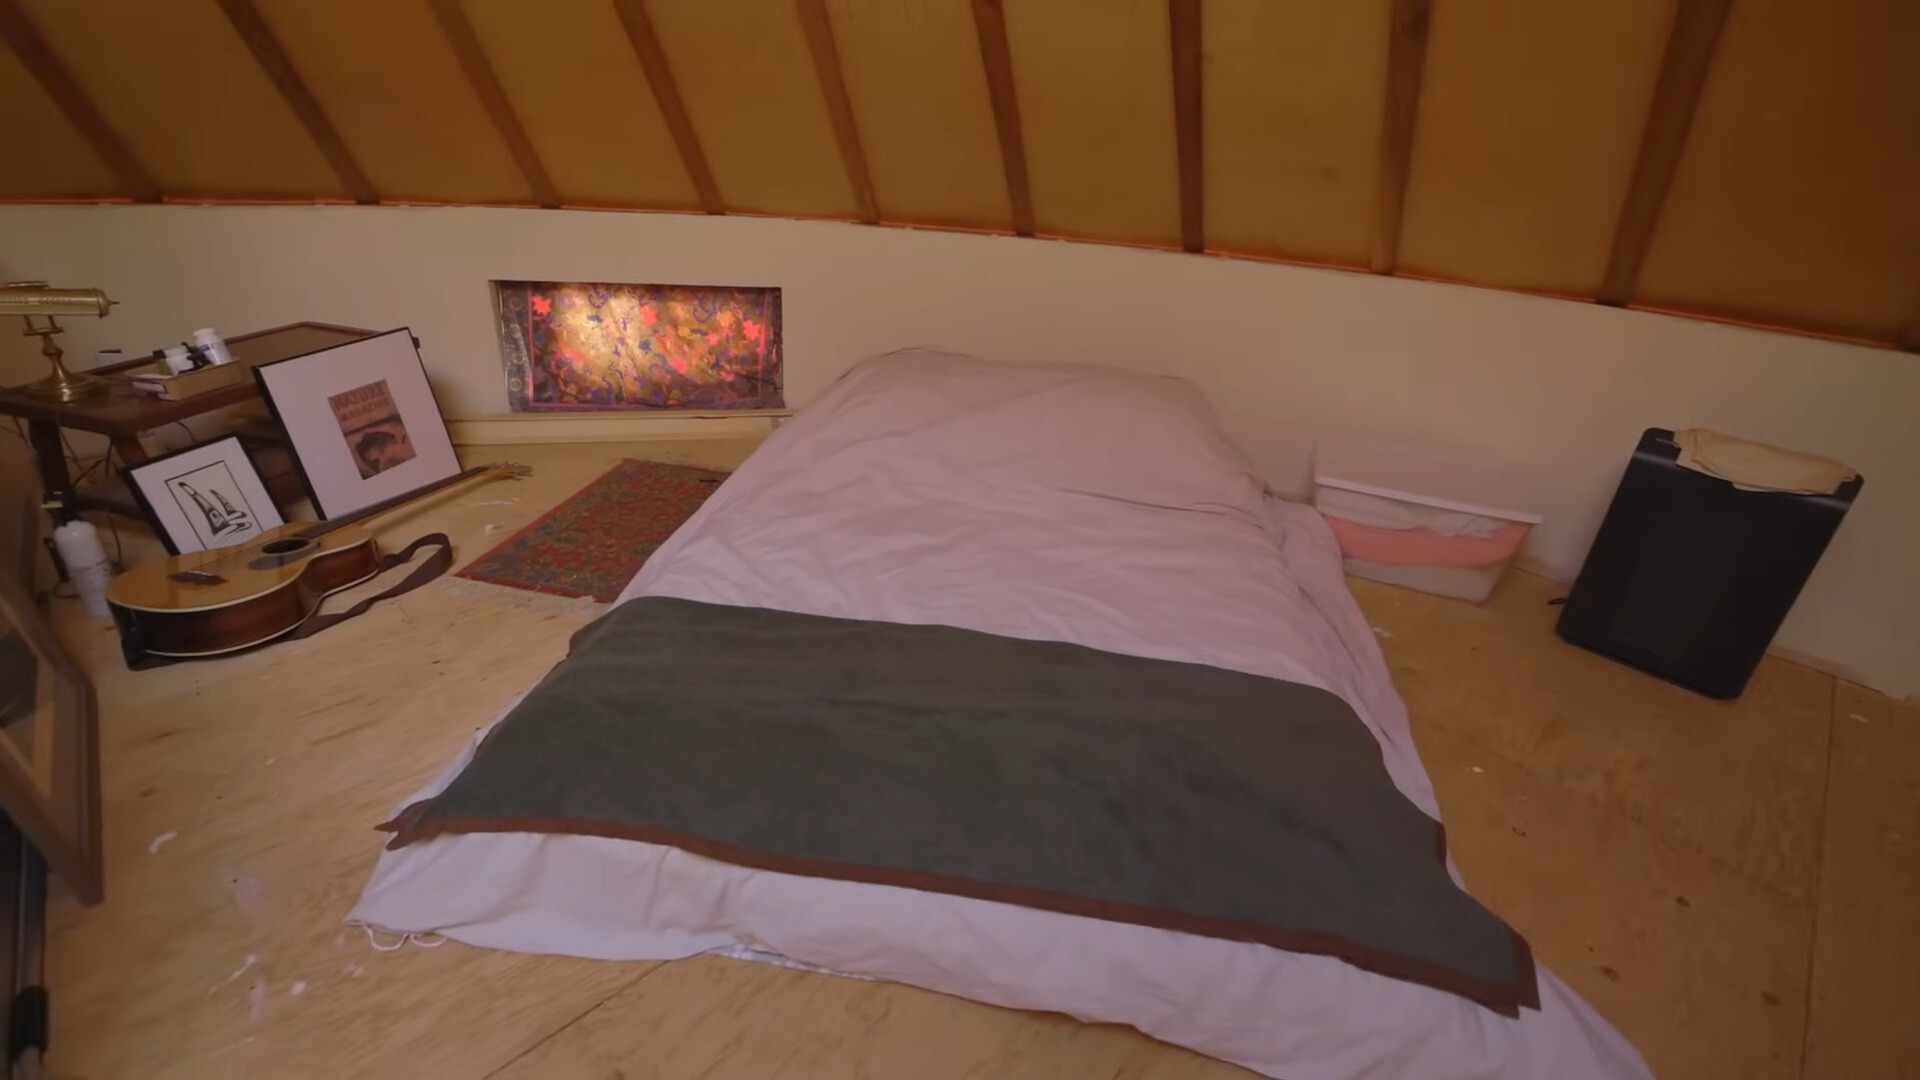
<point>211,344</point>
<point>177,359</point>
<point>79,545</point>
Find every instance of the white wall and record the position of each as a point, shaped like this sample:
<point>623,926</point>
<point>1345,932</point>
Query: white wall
<point>1287,355</point>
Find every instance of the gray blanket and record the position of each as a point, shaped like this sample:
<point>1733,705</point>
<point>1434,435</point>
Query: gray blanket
<point>1035,773</point>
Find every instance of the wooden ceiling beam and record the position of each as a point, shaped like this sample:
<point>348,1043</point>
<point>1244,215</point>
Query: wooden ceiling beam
<point>273,59</point>
<point>833,86</point>
<point>1183,17</point>
<point>673,109</point>
<point>38,58</point>
<point>1676,98</point>
<point>990,23</point>
<point>493,97</point>
<point>1406,63</point>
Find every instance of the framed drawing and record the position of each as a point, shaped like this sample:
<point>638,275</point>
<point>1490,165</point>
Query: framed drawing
<point>361,420</point>
<point>206,496</point>
<point>49,746</point>
<point>596,345</point>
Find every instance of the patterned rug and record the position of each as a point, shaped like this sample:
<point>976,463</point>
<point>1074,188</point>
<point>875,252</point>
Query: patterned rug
<point>593,544</point>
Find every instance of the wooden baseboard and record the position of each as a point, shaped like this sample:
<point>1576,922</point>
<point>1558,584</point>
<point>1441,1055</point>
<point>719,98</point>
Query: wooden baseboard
<point>521,428</point>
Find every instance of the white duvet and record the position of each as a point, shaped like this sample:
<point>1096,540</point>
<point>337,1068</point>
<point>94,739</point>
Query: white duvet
<point>1060,503</point>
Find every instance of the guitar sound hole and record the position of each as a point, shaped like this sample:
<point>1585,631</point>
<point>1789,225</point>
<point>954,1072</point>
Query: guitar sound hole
<point>277,553</point>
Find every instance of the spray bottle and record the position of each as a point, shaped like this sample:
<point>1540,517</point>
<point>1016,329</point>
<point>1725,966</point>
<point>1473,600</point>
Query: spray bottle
<point>78,543</point>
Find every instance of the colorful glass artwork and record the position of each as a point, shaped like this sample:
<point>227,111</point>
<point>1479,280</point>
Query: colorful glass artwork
<point>579,345</point>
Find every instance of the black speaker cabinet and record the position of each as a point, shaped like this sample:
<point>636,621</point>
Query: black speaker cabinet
<point>1690,576</point>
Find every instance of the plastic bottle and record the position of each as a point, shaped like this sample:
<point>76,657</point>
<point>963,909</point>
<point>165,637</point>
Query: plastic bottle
<point>79,545</point>
<point>178,360</point>
<point>212,345</point>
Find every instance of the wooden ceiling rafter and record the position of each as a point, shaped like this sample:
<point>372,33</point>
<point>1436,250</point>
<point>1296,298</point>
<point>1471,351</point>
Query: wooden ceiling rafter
<point>467,49</point>
<point>51,73</point>
<point>833,86</point>
<point>673,108</point>
<point>272,57</point>
<point>996,56</point>
<point>1409,28</point>
<point>1691,45</point>
<point>1189,116</point>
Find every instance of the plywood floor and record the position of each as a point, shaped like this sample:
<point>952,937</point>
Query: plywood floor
<point>1733,885</point>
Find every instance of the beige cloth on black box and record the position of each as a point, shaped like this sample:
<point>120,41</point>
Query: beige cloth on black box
<point>1753,466</point>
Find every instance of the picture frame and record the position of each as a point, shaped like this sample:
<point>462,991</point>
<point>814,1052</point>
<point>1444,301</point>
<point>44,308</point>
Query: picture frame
<point>206,496</point>
<point>571,346</point>
<point>49,746</point>
<point>361,420</point>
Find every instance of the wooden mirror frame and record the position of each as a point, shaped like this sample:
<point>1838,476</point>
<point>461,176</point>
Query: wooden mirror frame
<point>63,820</point>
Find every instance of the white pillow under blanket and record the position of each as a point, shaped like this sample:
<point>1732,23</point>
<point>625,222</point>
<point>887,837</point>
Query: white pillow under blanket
<point>1064,428</point>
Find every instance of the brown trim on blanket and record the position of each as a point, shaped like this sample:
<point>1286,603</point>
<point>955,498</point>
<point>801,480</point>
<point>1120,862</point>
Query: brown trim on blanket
<point>1504,998</point>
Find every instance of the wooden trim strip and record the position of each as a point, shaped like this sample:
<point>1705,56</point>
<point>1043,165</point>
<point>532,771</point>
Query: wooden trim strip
<point>1183,17</point>
<point>52,75</point>
<point>990,23</point>
<point>1406,62</point>
<point>1676,97</point>
<point>493,97</point>
<point>673,109</point>
<point>273,60</point>
<point>833,85</point>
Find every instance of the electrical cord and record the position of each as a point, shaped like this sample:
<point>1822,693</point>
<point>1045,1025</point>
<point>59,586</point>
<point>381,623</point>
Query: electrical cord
<point>74,460</point>
<point>119,552</point>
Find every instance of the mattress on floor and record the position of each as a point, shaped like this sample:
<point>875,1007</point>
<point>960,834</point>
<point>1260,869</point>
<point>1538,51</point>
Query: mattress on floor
<point>1038,501</point>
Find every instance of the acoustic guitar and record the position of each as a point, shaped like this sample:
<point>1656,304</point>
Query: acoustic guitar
<point>226,599</point>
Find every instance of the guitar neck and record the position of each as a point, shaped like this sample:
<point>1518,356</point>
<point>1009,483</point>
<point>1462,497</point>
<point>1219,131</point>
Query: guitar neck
<point>321,528</point>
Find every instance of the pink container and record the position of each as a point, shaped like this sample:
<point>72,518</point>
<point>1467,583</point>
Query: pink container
<point>1428,519</point>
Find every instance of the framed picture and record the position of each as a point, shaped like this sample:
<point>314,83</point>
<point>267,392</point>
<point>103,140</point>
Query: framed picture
<point>206,496</point>
<point>361,420</point>
<point>49,746</point>
<point>573,345</point>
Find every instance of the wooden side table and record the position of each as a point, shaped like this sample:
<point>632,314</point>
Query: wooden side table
<point>122,413</point>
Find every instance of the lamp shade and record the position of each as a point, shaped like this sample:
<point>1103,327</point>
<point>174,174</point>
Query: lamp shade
<point>40,300</point>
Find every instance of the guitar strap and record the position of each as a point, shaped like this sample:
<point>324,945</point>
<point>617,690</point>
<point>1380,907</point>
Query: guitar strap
<point>431,567</point>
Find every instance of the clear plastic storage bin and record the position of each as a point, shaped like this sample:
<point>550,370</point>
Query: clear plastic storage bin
<point>1424,518</point>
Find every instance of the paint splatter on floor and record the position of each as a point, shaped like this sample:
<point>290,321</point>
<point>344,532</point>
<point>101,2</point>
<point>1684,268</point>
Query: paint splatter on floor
<point>230,1047</point>
<point>244,968</point>
<point>160,841</point>
<point>248,895</point>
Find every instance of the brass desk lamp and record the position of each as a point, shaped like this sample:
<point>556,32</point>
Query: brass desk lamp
<point>31,299</point>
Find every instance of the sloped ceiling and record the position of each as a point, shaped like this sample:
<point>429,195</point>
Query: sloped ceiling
<point>1748,159</point>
